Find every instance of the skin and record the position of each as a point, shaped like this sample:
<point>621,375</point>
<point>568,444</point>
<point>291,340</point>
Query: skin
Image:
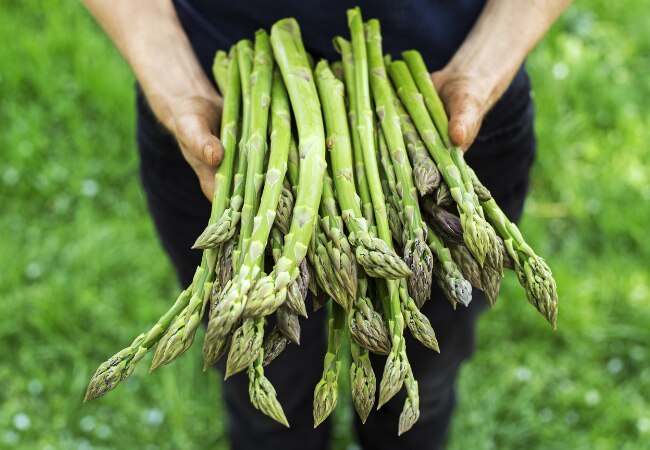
<point>149,35</point>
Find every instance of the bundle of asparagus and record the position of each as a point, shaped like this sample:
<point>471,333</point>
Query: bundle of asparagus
<point>347,176</point>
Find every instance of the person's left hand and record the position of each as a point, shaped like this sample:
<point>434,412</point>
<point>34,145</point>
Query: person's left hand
<point>467,98</point>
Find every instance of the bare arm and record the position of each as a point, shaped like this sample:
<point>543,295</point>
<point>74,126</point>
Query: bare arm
<point>149,35</point>
<point>487,61</point>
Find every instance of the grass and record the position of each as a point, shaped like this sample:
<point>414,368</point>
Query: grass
<point>78,253</point>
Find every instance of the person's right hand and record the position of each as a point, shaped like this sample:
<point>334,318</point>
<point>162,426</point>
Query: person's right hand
<point>195,122</point>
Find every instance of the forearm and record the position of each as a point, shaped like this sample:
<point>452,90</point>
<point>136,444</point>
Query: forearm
<point>505,33</point>
<point>149,35</point>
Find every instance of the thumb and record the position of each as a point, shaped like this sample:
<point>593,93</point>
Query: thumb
<point>196,135</point>
<point>464,121</point>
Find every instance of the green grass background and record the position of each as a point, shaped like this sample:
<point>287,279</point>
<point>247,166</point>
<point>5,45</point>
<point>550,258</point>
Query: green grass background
<point>81,271</point>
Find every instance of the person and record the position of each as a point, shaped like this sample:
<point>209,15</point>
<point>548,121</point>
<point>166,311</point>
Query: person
<point>477,49</point>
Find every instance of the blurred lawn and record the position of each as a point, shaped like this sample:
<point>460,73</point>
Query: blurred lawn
<point>81,271</point>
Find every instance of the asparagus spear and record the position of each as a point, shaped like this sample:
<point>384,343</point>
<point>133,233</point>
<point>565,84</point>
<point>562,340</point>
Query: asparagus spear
<point>121,365</point>
<point>367,327</point>
<point>285,209</point>
<point>437,113</point>
<point>442,195</point>
<point>254,233</point>
<point>478,234</point>
<point>432,101</point>
<point>373,254</point>
<point>449,278</point>
<point>397,361</point>
<point>389,185</point>
<point>411,410</point>
<point>297,290</point>
<point>288,324</point>
<point>220,70</point>
<point>363,383</point>
<point>417,322</point>
<point>326,391</point>
<point>225,227</point>
<point>347,59</point>
<point>416,253</point>
<point>344,264</point>
<point>178,335</point>
<point>532,271</point>
<point>466,264</point>
<point>262,393</point>
<point>274,344</point>
<point>270,291</point>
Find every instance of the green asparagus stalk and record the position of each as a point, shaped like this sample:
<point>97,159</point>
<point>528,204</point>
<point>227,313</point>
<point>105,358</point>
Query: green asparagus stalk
<point>274,344</point>
<point>297,290</point>
<point>397,361</point>
<point>367,327</point>
<point>325,273</point>
<point>442,195</point>
<point>288,324</point>
<point>343,262</point>
<point>220,70</point>
<point>337,70</point>
<point>180,334</point>
<point>432,101</point>
<point>389,185</point>
<point>373,254</point>
<point>246,340</point>
<point>416,321</point>
<point>363,383</point>
<point>270,291</point>
<point>294,163</point>
<point>466,264</point>
<point>344,47</point>
<point>121,365</point>
<point>532,271</point>
<point>411,410</point>
<point>225,227</point>
<point>478,234</point>
<point>416,253</point>
<point>426,175</point>
<point>449,278</point>
<point>326,391</point>
<point>262,393</point>
<point>254,232</point>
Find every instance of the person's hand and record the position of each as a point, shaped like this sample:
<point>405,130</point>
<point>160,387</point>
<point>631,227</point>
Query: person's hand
<point>195,122</point>
<point>467,98</point>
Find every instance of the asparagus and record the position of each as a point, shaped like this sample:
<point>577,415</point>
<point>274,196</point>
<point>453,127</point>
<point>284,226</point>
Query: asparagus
<point>326,391</point>
<point>288,324</point>
<point>478,235</point>
<point>449,278</point>
<point>344,264</point>
<point>337,70</point>
<point>180,334</point>
<point>449,228</point>
<point>442,195</point>
<point>426,175</point>
<point>220,70</point>
<point>417,322</point>
<point>225,227</point>
<point>367,327</point>
<point>297,290</point>
<point>397,361</point>
<point>262,393</point>
<point>254,233</point>
<point>121,365</point>
<point>363,383</point>
<point>325,274</point>
<point>244,348</point>
<point>285,209</point>
<point>532,271</point>
<point>411,410</point>
<point>389,185</point>
<point>270,291</point>
<point>416,253</point>
<point>466,264</point>
<point>374,255</point>
<point>274,344</point>
<point>347,59</point>
<point>432,101</point>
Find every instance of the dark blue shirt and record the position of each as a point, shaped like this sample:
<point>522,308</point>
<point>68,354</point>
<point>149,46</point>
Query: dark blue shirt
<point>434,27</point>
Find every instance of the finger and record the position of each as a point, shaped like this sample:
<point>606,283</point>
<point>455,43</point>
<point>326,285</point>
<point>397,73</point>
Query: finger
<point>195,133</point>
<point>464,121</point>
